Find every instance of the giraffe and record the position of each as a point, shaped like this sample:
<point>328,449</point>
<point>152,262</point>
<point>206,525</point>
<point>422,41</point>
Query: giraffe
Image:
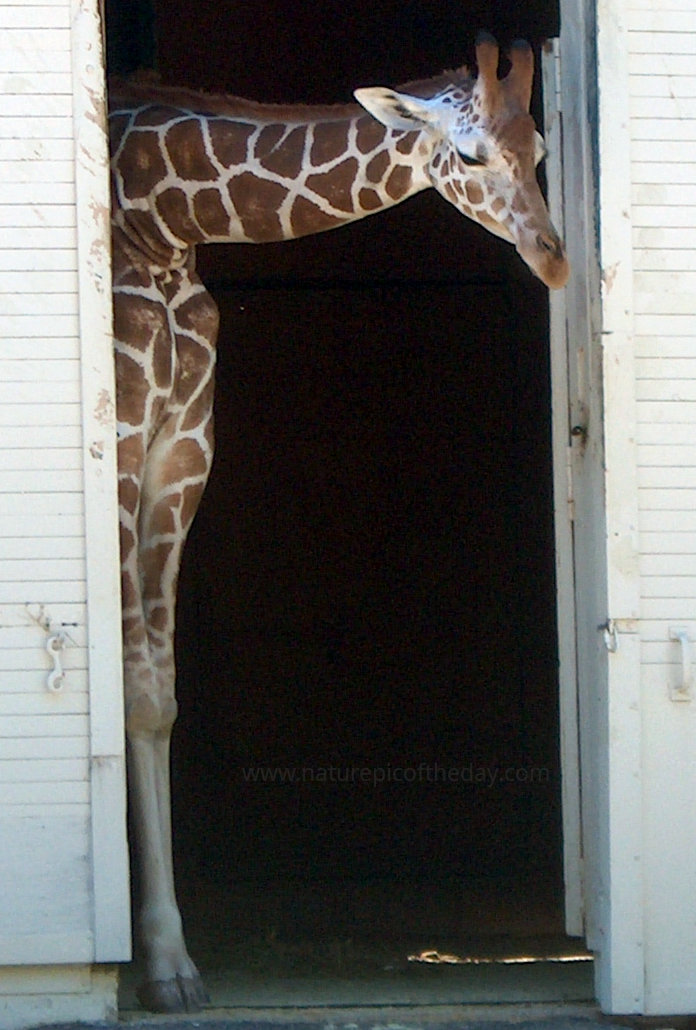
<point>189,169</point>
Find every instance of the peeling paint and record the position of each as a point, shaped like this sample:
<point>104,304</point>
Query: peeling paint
<point>37,613</point>
<point>609,275</point>
<point>98,112</point>
<point>101,216</point>
<point>104,409</point>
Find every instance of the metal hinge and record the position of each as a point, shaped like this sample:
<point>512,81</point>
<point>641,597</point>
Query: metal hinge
<point>556,50</point>
<point>552,73</point>
<point>613,628</point>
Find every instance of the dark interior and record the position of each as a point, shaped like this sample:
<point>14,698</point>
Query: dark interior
<point>368,589</point>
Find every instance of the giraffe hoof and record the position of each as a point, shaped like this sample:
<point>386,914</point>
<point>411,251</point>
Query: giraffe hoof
<point>180,994</point>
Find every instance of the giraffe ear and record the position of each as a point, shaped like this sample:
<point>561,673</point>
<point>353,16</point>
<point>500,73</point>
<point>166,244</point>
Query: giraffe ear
<point>395,110</point>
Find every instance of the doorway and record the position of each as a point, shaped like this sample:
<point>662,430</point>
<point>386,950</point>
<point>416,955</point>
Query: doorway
<point>366,764</point>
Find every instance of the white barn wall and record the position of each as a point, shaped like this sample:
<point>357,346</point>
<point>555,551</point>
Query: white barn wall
<point>62,796</point>
<point>662,99</point>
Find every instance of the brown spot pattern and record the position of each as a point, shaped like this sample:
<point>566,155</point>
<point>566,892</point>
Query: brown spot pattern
<point>406,144</point>
<point>190,501</point>
<point>335,185</point>
<point>369,135</point>
<point>184,461</point>
<point>129,598</point>
<point>186,149</point>
<point>141,164</point>
<point>200,409</point>
<point>200,314</point>
<point>229,140</point>
<point>399,182</point>
<point>486,219</point>
<point>124,274</point>
<point>269,137</point>
<point>162,367</point>
<point>131,455</point>
<point>377,166</point>
<point>474,192</point>
<point>172,206</point>
<point>127,539</point>
<point>328,143</point>
<point>288,158</point>
<point>155,115</point>
<point>158,617</point>
<point>152,562</point>
<point>131,391</point>
<point>210,213</point>
<point>163,520</point>
<point>152,244</point>
<point>256,202</point>
<point>369,200</point>
<point>128,494</point>
<point>139,323</point>
<point>193,366</point>
<point>307,218</point>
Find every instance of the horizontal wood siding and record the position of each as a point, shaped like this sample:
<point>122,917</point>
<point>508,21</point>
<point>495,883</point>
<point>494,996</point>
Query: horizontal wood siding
<point>57,746</point>
<point>662,64</point>
<point>44,735</point>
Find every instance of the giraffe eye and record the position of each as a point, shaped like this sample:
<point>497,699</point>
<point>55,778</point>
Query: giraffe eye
<point>471,161</point>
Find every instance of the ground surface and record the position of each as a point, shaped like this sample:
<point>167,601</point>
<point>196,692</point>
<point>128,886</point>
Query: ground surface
<point>517,1018</point>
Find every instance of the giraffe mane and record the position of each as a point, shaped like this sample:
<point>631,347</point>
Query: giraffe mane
<point>125,93</point>
<point>426,88</point>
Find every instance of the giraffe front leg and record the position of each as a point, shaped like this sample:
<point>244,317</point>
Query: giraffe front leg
<point>171,982</point>
<point>165,379</point>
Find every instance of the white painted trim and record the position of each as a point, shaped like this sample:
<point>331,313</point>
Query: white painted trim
<point>624,987</point>
<point>565,578</point>
<point>107,749</point>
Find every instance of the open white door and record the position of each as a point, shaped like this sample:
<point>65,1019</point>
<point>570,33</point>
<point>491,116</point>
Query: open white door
<point>578,472</point>
<point>563,513</point>
<point>595,497</point>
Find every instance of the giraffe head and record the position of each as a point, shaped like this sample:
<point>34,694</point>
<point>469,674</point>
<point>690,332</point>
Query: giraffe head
<point>483,149</point>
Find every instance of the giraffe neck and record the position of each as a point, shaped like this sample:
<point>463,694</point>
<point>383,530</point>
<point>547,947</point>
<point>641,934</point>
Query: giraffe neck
<point>258,174</point>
